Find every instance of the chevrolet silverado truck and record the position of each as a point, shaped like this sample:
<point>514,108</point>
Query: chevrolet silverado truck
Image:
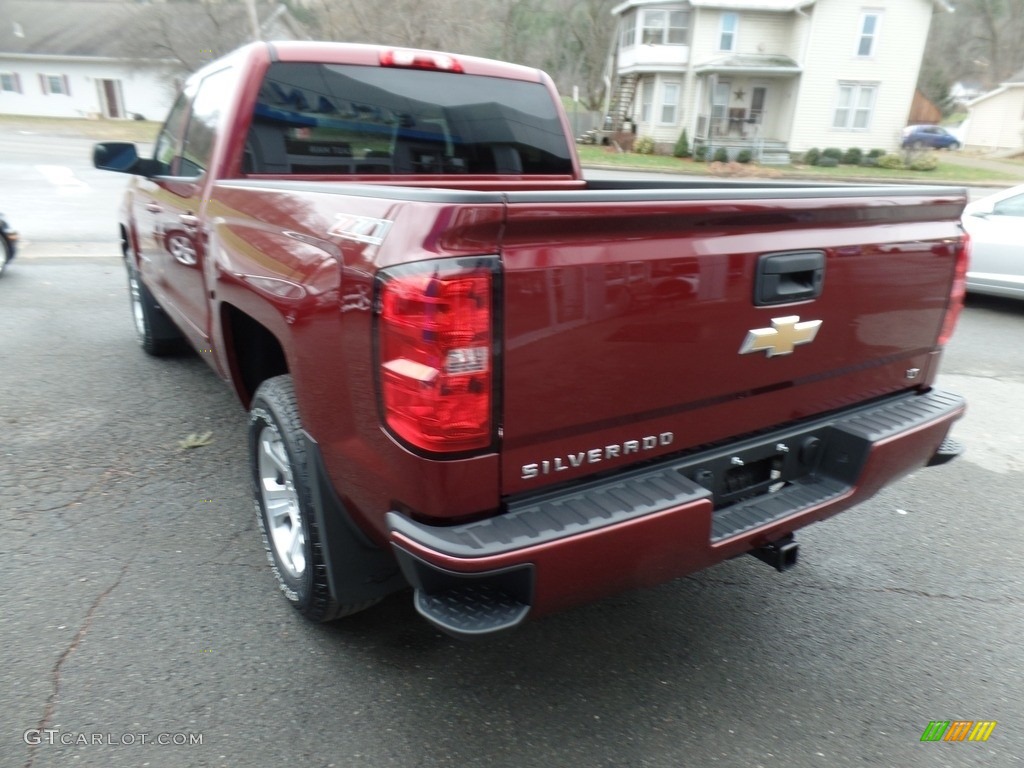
<point>471,372</point>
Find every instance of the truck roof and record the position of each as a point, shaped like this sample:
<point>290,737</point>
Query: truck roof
<point>371,55</point>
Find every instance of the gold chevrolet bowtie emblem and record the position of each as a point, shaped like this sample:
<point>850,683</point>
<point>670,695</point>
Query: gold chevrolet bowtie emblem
<point>785,333</point>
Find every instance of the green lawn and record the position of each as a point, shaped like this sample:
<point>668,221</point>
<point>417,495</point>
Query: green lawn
<point>946,173</point>
<point>142,131</point>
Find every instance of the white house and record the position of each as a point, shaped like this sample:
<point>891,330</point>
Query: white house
<point>996,118</point>
<point>107,58</point>
<point>63,59</point>
<point>773,76</point>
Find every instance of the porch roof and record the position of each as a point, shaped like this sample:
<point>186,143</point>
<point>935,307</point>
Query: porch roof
<point>750,63</point>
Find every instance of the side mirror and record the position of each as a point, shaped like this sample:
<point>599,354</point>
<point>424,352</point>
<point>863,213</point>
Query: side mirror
<point>122,157</point>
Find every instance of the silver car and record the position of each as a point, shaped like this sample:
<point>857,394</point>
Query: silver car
<point>996,226</point>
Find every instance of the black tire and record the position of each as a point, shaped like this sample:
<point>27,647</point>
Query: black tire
<point>157,334</point>
<point>6,252</point>
<point>918,145</point>
<point>281,479</point>
<point>954,146</point>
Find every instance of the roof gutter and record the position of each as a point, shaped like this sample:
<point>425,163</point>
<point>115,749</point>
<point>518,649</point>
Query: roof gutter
<point>87,59</point>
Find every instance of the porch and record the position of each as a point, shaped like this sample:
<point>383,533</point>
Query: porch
<point>737,132</point>
<point>747,103</point>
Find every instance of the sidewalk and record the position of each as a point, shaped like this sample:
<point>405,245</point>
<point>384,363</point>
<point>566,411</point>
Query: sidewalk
<point>57,249</point>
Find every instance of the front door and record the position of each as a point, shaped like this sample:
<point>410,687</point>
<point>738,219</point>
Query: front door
<point>169,208</point>
<point>757,99</point>
<point>182,230</point>
<point>110,98</point>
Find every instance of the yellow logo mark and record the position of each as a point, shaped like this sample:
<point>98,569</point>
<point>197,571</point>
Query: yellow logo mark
<point>958,730</point>
<point>785,334</point>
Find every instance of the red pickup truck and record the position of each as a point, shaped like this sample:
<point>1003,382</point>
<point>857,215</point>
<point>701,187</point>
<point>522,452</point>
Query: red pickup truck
<point>472,372</point>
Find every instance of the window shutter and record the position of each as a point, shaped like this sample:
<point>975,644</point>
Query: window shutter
<point>17,83</point>
<point>42,85</point>
<point>67,85</point>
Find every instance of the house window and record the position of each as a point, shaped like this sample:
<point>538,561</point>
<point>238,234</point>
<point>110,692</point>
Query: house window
<point>646,100</point>
<point>669,103</point>
<point>10,82</point>
<point>854,106</point>
<point>627,37</point>
<point>666,27</point>
<point>727,32</point>
<point>870,22</point>
<point>54,85</point>
<point>678,27</point>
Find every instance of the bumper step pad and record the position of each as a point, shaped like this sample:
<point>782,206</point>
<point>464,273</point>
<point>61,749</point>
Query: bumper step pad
<point>471,610</point>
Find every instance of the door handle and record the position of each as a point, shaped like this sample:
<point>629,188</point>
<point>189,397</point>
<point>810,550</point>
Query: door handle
<point>791,276</point>
<point>154,208</point>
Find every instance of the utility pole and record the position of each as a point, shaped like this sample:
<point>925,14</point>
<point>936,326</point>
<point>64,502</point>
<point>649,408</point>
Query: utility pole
<point>254,20</point>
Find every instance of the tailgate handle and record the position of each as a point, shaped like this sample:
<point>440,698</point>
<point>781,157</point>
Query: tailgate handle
<point>790,276</point>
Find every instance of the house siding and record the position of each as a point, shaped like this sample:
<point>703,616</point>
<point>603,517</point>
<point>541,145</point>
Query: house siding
<point>997,121</point>
<point>142,89</point>
<point>831,58</point>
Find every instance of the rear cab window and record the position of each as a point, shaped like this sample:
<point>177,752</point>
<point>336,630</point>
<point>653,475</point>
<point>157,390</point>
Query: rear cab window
<point>313,118</point>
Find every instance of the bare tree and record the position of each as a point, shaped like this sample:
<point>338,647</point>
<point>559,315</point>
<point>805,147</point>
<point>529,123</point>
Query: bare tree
<point>591,27</point>
<point>188,34</point>
<point>570,39</point>
<point>982,41</point>
<point>450,25</point>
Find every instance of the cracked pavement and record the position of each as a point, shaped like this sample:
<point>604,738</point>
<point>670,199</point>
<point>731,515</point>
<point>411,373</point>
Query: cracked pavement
<point>137,599</point>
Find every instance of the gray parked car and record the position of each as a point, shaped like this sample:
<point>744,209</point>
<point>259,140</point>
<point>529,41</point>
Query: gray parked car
<point>996,226</point>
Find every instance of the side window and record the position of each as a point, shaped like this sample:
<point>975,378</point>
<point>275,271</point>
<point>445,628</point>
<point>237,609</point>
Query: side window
<point>204,122</point>
<point>167,143</point>
<point>1011,206</point>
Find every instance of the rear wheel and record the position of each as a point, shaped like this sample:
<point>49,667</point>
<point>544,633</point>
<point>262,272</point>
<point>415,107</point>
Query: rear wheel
<point>6,252</point>
<point>918,145</point>
<point>284,503</point>
<point>156,333</point>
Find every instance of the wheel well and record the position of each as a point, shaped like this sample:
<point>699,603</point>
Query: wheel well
<point>255,353</point>
<point>124,241</point>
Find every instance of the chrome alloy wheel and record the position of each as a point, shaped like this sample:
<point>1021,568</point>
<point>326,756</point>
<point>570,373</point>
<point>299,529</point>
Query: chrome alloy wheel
<point>137,309</point>
<point>281,502</point>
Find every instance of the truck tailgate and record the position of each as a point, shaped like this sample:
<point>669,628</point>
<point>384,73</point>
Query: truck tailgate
<point>633,328</point>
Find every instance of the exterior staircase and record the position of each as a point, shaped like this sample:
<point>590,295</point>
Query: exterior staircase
<point>622,103</point>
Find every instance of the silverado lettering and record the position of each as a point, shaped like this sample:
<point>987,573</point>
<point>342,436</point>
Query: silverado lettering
<point>394,260</point>
<point>594,455</point>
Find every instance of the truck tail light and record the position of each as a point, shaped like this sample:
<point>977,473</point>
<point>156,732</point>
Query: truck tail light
<point>411,59</point>
<point>959,289</point>
<point>435,342</point>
